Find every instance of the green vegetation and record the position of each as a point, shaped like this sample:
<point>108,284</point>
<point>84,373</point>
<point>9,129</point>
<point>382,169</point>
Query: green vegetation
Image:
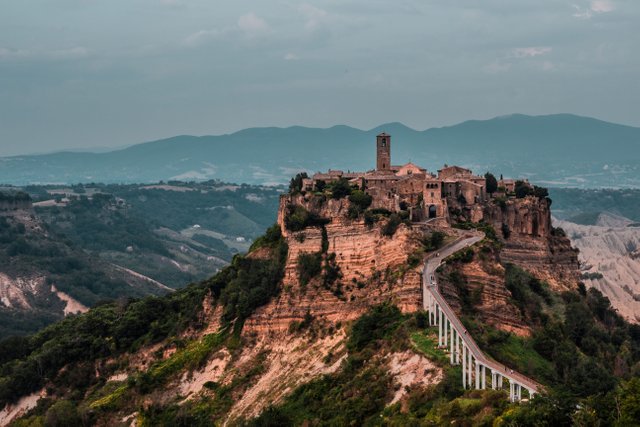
<point>433,241</point>
<point>295,185</point>
<point>112,329</point>
<point>428,345</point>
<point>392,225</point>
<point>491,183</point>
<point>360,201</point>
<point>309,266</point>
<point>340,188</point>
<point>297,218</point>
<point>524,189</point>
<point>530,294</point>
<point>14,196</point>
<point>191,356</point>
<point>250,282</point>
<point>379,323</point>
<point>592,276</point>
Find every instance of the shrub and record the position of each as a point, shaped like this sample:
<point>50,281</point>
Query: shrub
<point>379,322</point>
<point>392,225</point>
<point>340,188</point>
<point>298,218</point>
<point>309,266</point>
<point>360,199</point>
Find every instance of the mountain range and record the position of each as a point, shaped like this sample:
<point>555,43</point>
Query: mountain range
<point>560,150</point>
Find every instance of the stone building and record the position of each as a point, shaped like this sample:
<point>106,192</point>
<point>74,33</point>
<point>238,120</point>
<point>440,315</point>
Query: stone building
<point>409,187</point>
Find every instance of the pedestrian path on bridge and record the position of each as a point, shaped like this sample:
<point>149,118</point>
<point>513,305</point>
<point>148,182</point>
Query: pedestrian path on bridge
<point>463,350</point>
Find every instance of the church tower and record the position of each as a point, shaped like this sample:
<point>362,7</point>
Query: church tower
<point>383,152</point>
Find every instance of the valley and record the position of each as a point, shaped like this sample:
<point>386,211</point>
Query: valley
<point>93,243</point>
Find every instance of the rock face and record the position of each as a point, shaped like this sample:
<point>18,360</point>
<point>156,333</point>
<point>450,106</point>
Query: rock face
<point>610,260</point>
<point>531,242</point>
<point>373,268</point>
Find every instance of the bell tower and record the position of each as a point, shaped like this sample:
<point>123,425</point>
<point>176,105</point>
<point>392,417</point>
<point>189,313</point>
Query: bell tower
<point>383,152</point>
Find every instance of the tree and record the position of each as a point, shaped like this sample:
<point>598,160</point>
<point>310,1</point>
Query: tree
<point>340,188</point>
<point>295,185</point>
<point>491,183</point>
<point>630,402</point>
<point>360,199</point>
<point>523,189</point>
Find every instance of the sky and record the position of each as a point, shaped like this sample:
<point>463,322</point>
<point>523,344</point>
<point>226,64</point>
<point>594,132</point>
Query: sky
<point>93,74</point>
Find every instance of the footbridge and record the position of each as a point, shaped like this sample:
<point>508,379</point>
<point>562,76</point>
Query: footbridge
<point>452,335</point>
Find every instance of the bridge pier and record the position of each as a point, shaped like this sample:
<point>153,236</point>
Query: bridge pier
<point>440,330</point>
<point>464,367</point>
<point>452,351</point>
<point>470,369</point>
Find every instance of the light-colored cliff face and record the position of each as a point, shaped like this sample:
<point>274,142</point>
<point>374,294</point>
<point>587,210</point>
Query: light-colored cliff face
<point>17,293</point>
<point>610,260</point>
<point>530,242</point>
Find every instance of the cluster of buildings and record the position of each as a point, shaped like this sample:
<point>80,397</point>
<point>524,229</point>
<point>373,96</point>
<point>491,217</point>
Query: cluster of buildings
<point>410,187</point>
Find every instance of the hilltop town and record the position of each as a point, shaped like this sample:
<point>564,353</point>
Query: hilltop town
<point>423,194</point>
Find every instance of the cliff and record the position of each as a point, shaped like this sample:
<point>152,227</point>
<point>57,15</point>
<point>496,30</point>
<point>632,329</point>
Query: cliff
<point>337,266</point>
<point>531,242</point>
<point>372,268</point>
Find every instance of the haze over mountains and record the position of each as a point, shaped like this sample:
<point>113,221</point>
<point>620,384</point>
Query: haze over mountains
<point>553,150</point>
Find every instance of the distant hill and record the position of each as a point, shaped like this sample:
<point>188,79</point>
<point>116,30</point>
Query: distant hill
<point>81,245</point>
<point>553,150</point>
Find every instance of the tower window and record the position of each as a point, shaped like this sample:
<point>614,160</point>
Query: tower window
<point>384,142</point>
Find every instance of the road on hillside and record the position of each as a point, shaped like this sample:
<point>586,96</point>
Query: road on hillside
<point>429,285</point>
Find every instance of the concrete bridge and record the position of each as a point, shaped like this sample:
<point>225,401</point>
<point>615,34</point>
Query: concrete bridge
<point>452,335</point>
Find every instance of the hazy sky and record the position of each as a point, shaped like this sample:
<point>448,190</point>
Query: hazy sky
<point>96,73</point>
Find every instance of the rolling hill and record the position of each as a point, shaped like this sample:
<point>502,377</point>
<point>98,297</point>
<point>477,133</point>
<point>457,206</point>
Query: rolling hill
<point>554,150</point>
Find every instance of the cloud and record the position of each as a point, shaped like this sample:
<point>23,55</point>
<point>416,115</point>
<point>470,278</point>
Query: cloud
<point>290,56</point>
<point>313,15</point>
<point>529,52</point>
<point>602,6</point>
<point>252,25</point>
<point>548,66</point>
<point>497,67</point>
<point>55,54</point>
<point>74,52</point>
<point>6,53</point>
<point>595,7</point>
<point>202,36</point>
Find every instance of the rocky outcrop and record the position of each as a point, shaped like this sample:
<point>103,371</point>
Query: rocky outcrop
<point>373,268</point>
<point>485,285</point>
<point>532,243</point>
